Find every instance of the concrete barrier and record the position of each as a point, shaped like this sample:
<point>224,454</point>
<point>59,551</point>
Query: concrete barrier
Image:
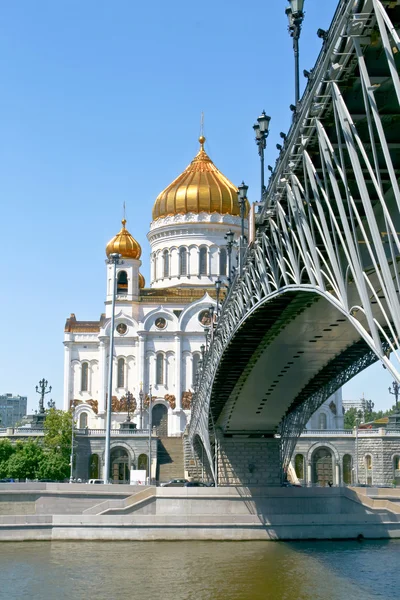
<point>231,513</point>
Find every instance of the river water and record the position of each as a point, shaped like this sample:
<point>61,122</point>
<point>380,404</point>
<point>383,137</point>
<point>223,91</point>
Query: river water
<point>200,570</point>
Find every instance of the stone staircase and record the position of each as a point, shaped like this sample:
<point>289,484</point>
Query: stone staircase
<point>170,461</point>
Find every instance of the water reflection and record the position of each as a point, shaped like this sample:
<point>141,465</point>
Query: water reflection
<point>200,570</point>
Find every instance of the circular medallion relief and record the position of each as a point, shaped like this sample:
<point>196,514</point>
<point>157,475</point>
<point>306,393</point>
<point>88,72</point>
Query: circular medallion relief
<point>205,318</point>
<point>160,323</point>
<point>122,328</point>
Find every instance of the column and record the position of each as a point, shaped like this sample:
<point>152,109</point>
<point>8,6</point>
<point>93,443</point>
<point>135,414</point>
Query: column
<point>102,376</point>
<point>337,474</point>
<point>178,371</point>
<point>309,477</point>
<point>67,374</point>
<point>141,361</point>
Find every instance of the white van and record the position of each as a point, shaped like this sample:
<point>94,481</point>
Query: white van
<point>96,481</point>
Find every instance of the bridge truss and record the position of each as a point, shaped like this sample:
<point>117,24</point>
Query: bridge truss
<point>330,221</point>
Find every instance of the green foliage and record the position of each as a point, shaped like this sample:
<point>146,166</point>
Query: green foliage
<point>53,466</point>
<point>350,417</point>
<point>57,432</point>
<point>44,459</point>
<point>352,414</point>
<point>6,451</point>
<point>24,462</point>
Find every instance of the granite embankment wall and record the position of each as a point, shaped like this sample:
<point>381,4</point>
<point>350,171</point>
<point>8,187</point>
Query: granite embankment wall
<point>231,513</point>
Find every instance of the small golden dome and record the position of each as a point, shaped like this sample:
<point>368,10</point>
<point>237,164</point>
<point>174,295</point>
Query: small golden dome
<point>123,243</point>
<point>142,281</point>
<point>200,188</point>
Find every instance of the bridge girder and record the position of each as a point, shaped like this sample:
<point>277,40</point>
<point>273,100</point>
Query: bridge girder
<point>327,240</point>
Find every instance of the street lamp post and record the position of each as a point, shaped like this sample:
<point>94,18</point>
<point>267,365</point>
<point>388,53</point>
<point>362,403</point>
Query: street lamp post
<point>229,245</point>
<point>113,259</point>
<point>150,426</point>
<point>41,389</point>
<point>356,465</point>
<point>395,392</point>
<point>71,472</point>
<point>211,310</point>
<point>207,336</point>
<point>295,17</point>
<point>141,406</point>
<point>261,130</point>
<point>129,398</point>
<point>242,197</point>
<point>218,290</point>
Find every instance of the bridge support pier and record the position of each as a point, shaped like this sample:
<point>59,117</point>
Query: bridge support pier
<point>249,461</point>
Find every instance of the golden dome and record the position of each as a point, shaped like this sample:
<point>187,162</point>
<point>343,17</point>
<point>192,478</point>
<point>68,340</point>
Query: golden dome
<point>123,243</point>
<point>142,281</point>
<point>200,188</point>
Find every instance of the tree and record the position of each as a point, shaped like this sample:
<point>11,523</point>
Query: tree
<point>6,450</point>
<point>24,462</point>
<point>53,466</point>
<point>350,417</point>
<point>57,432</point>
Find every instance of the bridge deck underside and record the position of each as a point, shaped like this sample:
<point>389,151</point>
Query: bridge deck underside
<point>283,353</point>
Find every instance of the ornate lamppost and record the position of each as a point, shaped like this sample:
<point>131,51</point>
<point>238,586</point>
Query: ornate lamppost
<point>207,336</point>
<point>71,472</point>
<point>242,197</point>
<point>395,391</point>
<point>218,284</point>
<point>129,399</point>
<point>229,245</point>
<point>141,406</point>
<point>261,130</point>
<point>114,260</point>
<point>150,427</point>
<point>211,310</point>
<point>40,416</point>
<point>42,390</point>
<point>295,17</point>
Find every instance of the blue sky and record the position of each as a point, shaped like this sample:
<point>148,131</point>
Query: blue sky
<point>101,105</point>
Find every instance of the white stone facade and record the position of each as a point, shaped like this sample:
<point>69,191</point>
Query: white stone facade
<point>158,335</point>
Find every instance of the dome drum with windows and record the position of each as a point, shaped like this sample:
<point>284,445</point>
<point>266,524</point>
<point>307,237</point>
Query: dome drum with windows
<point>201,188</point>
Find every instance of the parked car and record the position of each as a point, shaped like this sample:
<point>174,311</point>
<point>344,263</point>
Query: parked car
<point>195,484</point>
<point>175,483</point>
<point>8,480</point>
<point>96,481</point>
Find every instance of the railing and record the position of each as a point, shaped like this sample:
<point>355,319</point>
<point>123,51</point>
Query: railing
<point>128,432</point>
<point>348,432</point>
<point>26,431</point>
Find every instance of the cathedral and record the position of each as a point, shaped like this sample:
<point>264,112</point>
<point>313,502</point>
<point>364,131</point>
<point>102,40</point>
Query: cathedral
<point>161,330</point>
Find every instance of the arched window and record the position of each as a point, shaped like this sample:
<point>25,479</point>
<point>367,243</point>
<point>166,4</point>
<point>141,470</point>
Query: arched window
<point>322,421</point>
<point>154,266</point>
<point>121,373</point>
<point>196,358</point>
<point>142,462</point>
<point>122,283</point>
<point>222,261</point>
<point>396,470</point>
<point>83,421</point>
<point>182,261</point>
<point>299,466</point>
<point>203,261</point>
<point>85,377</point>
<point>368,469</point>
<point>347,462</point>
<point>160,369</point>
<point>166,263</point>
